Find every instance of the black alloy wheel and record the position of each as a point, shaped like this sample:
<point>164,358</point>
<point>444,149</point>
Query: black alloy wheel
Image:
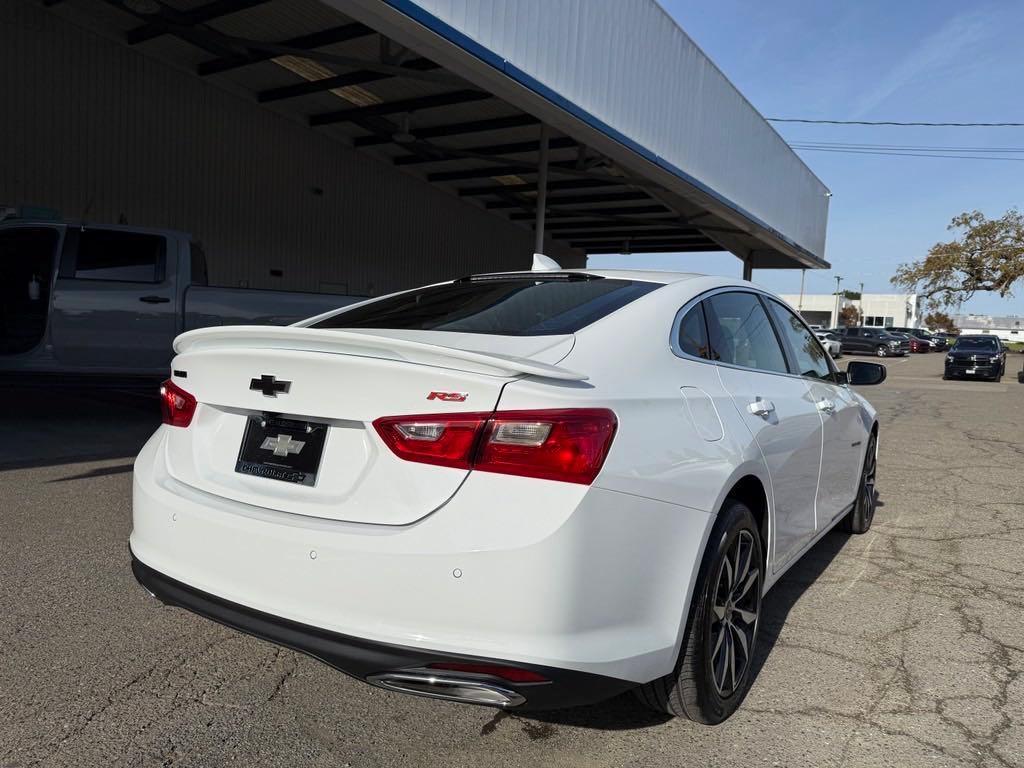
<point>863,513</point>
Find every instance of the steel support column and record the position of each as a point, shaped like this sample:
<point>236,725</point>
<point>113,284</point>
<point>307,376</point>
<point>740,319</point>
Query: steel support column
<point>542,190</point>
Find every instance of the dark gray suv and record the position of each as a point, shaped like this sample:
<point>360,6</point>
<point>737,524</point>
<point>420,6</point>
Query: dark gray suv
<point>874,341</point>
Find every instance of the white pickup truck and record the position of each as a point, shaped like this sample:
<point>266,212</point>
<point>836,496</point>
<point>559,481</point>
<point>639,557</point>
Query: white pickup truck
<point>107,301</point>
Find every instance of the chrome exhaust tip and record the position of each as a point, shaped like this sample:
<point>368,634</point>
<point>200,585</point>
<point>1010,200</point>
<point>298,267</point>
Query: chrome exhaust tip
<point>461,689</point>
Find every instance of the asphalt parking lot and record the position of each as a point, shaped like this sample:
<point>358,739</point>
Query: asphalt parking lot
<point>901,647</point>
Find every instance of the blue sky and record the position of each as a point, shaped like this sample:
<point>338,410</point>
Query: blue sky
<point>936,61</point>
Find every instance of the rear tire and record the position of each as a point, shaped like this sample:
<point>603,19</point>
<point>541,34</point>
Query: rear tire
<point>861,516</point>
<point>723,626</point>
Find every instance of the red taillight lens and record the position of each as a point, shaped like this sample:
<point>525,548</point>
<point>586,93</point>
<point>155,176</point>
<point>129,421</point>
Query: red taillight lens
<point>512,674</point>
<point>176,404</point>
<point>443,439</point>
<point>569,445</point>
<point>566,445</point>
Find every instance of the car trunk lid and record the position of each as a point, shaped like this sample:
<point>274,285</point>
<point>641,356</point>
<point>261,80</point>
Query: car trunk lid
<point>288,390</point>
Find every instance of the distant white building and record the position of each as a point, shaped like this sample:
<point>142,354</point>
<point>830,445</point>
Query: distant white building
<point>1006,327</point>
<point>879,310</point>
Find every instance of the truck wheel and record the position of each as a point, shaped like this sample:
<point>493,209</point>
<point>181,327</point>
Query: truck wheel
<point>881,350</point>
<point>714,669</point>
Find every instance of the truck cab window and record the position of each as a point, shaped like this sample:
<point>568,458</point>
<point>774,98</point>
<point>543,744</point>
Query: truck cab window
<point>123,256</point>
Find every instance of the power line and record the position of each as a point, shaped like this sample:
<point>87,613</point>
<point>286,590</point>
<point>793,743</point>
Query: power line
<point>892,122</point>
<point>904,154</point>
<point>913,147</point>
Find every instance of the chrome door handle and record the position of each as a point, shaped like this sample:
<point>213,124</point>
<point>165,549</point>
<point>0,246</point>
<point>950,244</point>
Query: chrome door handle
<point>826,406</point>
<point>761,407</point>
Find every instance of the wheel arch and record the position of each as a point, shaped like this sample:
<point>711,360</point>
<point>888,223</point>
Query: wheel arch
<point>751,491</point>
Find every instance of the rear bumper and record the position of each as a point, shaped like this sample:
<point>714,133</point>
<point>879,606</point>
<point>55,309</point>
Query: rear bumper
<point>366,660</point>
<point>537,573</point>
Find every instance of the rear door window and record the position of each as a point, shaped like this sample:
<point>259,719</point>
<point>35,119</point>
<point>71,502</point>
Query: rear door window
<point>504,306</point>
<point>123,256</point>
<point>741,334</point>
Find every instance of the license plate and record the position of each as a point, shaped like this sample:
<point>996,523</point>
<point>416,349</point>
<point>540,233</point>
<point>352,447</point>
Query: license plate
<point>281,449</point>
<point>971,370</point>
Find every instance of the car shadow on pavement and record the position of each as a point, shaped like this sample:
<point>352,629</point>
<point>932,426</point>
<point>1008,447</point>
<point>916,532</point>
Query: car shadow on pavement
<point>63,426</point>
<point>624,712</point>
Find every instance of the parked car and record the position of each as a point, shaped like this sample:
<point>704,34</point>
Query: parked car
<point>947,339</point>
<point>874,341</point>
<point>976,357</point>
<point>935,342</point>
<point>830,342</point>
<point>919,345</point>
<point>474,491</point>
<point>83,299</point>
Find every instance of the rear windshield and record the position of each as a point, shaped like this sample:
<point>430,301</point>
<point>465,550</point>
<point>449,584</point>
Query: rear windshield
<point>505,307</point>
<point>972,345</point>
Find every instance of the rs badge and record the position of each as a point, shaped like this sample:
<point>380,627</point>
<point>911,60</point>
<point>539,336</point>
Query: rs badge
<point>448,397</point>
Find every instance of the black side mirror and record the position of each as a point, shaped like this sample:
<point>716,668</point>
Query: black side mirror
<point>861,374</point>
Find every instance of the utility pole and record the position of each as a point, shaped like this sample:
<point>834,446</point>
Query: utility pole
<point>835,322</point>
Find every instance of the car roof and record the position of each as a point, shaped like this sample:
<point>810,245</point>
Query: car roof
<point>640,275</point>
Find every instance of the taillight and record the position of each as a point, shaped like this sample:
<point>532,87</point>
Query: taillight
<point>176,404</point>
<point>569,445</point>
<point>445,440</point>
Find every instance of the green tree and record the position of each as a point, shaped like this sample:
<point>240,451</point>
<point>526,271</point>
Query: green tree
<point>985,255</point>
<point>941,321</point>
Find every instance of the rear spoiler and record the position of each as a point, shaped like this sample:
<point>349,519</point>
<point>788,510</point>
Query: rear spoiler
<point>339,342</point>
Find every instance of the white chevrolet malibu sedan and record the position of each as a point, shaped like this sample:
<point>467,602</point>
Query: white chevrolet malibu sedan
<point>525,490</point>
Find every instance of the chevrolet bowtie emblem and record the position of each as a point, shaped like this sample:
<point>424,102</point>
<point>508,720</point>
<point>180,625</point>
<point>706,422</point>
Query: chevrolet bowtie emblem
<point>282,445</point>
<point>270,386</point>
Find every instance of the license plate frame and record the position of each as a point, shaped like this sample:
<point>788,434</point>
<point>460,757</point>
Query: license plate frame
<point>282,449</point>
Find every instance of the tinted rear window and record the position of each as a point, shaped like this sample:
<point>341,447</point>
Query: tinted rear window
<point>505,307</point>
<point>977,344</point>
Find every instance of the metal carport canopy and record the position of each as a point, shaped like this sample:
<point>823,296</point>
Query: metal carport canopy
<point>620,76</point>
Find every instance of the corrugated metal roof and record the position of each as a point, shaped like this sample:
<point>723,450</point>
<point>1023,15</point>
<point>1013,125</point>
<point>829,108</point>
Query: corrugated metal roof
<point>651,148</point>
<point>628,69</point>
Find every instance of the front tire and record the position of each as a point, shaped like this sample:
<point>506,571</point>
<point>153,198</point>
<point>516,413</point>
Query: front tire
<point>863,513</point>
<point>881,350</point>
<point>714,669</point>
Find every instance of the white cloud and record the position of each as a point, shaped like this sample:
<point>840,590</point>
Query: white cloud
<point>945,48</point>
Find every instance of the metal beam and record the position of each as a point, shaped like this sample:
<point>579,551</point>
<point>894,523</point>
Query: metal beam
<point>613,197</point>
<point>561,213</point>
<point>263,51</point>
<point>200,36</point>
<point>513,148</point>
<point>402,105</point>
<point>619,235</point>
<point>542,188</point>
<point>564,184</point>
<point>660,249</point>
<point>633,244</point>
<point>611,223</point>
<point>338,81</point>
<point>456,129</point>
<point>200,15</point>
